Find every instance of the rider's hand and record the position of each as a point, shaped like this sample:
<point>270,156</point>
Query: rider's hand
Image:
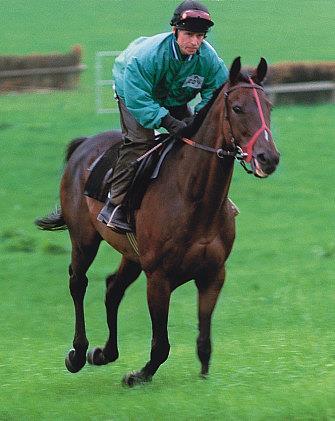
<point>172,125</point>
<point>188,120</point>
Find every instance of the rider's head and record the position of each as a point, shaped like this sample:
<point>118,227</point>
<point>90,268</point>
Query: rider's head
<point>192,16</point>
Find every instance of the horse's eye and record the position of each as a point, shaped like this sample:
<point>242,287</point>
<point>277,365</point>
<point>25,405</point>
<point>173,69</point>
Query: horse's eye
<point>237,109</point>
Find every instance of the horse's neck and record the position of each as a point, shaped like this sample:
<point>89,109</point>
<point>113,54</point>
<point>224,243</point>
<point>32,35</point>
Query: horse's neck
<point>207,177</point>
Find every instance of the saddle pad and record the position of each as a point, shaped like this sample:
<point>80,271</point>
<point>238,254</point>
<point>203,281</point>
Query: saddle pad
<point>97,184</point>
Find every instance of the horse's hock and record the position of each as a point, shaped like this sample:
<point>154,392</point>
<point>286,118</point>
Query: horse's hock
<point>41,71</point>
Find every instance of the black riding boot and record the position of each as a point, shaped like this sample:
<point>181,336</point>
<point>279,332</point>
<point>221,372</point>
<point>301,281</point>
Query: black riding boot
<point>113,213</point>
<point>114,217</point>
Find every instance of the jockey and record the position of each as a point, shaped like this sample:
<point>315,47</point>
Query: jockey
<point>155,78</point>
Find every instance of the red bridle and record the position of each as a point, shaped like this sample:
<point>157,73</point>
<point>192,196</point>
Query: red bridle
<point>242,154</point>
<point>248,148</point>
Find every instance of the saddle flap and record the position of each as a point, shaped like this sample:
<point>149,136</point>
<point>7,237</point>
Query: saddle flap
<point>98,182</point>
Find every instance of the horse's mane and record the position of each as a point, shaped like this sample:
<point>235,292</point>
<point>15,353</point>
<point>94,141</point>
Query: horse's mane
<point>199,118</point>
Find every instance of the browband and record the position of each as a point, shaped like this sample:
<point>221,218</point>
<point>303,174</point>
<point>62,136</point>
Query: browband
<point>244,85</point>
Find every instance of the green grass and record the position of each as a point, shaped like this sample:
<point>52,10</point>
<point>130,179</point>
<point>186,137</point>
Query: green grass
<point>273,329</point>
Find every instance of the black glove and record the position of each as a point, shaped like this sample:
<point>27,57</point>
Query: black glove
<point>172,125</point>
<point>188,120</point>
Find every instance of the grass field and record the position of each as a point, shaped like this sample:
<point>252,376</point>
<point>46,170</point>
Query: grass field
<point>273,329</point>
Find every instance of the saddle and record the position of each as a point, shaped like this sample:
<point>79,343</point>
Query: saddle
<point>147,169</point>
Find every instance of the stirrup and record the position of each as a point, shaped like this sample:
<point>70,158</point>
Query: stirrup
<point>117,221</point>
<point>106,212</point>
<point>114,218</point>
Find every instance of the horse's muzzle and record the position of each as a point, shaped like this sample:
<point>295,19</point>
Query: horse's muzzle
<point>264,164</point>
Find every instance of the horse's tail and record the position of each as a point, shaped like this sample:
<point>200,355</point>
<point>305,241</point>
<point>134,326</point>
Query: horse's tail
<point>55,221</point>
<point>52,222</point>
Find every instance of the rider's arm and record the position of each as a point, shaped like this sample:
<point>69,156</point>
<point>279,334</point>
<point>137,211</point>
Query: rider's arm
<point>139,79</point>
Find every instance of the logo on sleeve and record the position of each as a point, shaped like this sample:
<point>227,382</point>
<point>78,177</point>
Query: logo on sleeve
<point>193,81</point>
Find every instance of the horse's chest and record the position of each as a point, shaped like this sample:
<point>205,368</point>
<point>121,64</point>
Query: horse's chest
<point>187,262</point>
<point>206,254</point>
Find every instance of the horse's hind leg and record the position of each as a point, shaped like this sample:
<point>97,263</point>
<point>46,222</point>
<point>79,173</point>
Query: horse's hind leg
<point>208,294</point>
<point>116,285</point>
<point>82,257</point>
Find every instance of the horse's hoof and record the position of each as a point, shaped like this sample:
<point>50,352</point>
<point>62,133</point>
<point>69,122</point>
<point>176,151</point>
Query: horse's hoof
<point>97,357</point>
<point>71,364</point>
<point>204,372</point>
<point>134,378</point>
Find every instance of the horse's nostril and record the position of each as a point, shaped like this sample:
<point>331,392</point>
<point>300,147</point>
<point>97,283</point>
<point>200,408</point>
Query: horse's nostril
<point>261,158</point>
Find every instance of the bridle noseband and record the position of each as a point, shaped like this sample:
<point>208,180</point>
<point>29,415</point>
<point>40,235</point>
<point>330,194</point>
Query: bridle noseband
<point>241,154</point>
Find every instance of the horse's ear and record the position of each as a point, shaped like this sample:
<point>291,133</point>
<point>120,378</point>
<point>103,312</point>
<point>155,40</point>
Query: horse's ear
<point>235,70</point>
<point>261,70</point>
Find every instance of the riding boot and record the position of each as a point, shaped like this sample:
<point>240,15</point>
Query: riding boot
<point>114,217</point>
<point>113,214</point>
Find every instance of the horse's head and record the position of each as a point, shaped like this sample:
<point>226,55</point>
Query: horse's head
<point>248,113</point>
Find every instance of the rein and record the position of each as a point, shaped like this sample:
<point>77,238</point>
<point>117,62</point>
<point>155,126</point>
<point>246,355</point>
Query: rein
<point>221,153</point>
<point>237,153</point>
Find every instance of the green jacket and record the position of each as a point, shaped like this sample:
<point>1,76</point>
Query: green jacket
<point>151,74</point>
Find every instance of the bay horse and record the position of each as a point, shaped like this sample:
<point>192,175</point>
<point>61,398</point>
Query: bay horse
<point>185,227</point>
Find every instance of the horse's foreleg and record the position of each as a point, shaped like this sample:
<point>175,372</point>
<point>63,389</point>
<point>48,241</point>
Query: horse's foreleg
<point>82,257</point>
<point>158,295</point>
<point>208,293</point>
<point>116,285</point>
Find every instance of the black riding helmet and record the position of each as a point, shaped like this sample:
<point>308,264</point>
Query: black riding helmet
<point>192,16</point>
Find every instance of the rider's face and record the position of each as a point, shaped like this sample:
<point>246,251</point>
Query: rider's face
<point>189,42</point>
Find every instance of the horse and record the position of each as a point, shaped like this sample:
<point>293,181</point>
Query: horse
<point>185,226</point>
